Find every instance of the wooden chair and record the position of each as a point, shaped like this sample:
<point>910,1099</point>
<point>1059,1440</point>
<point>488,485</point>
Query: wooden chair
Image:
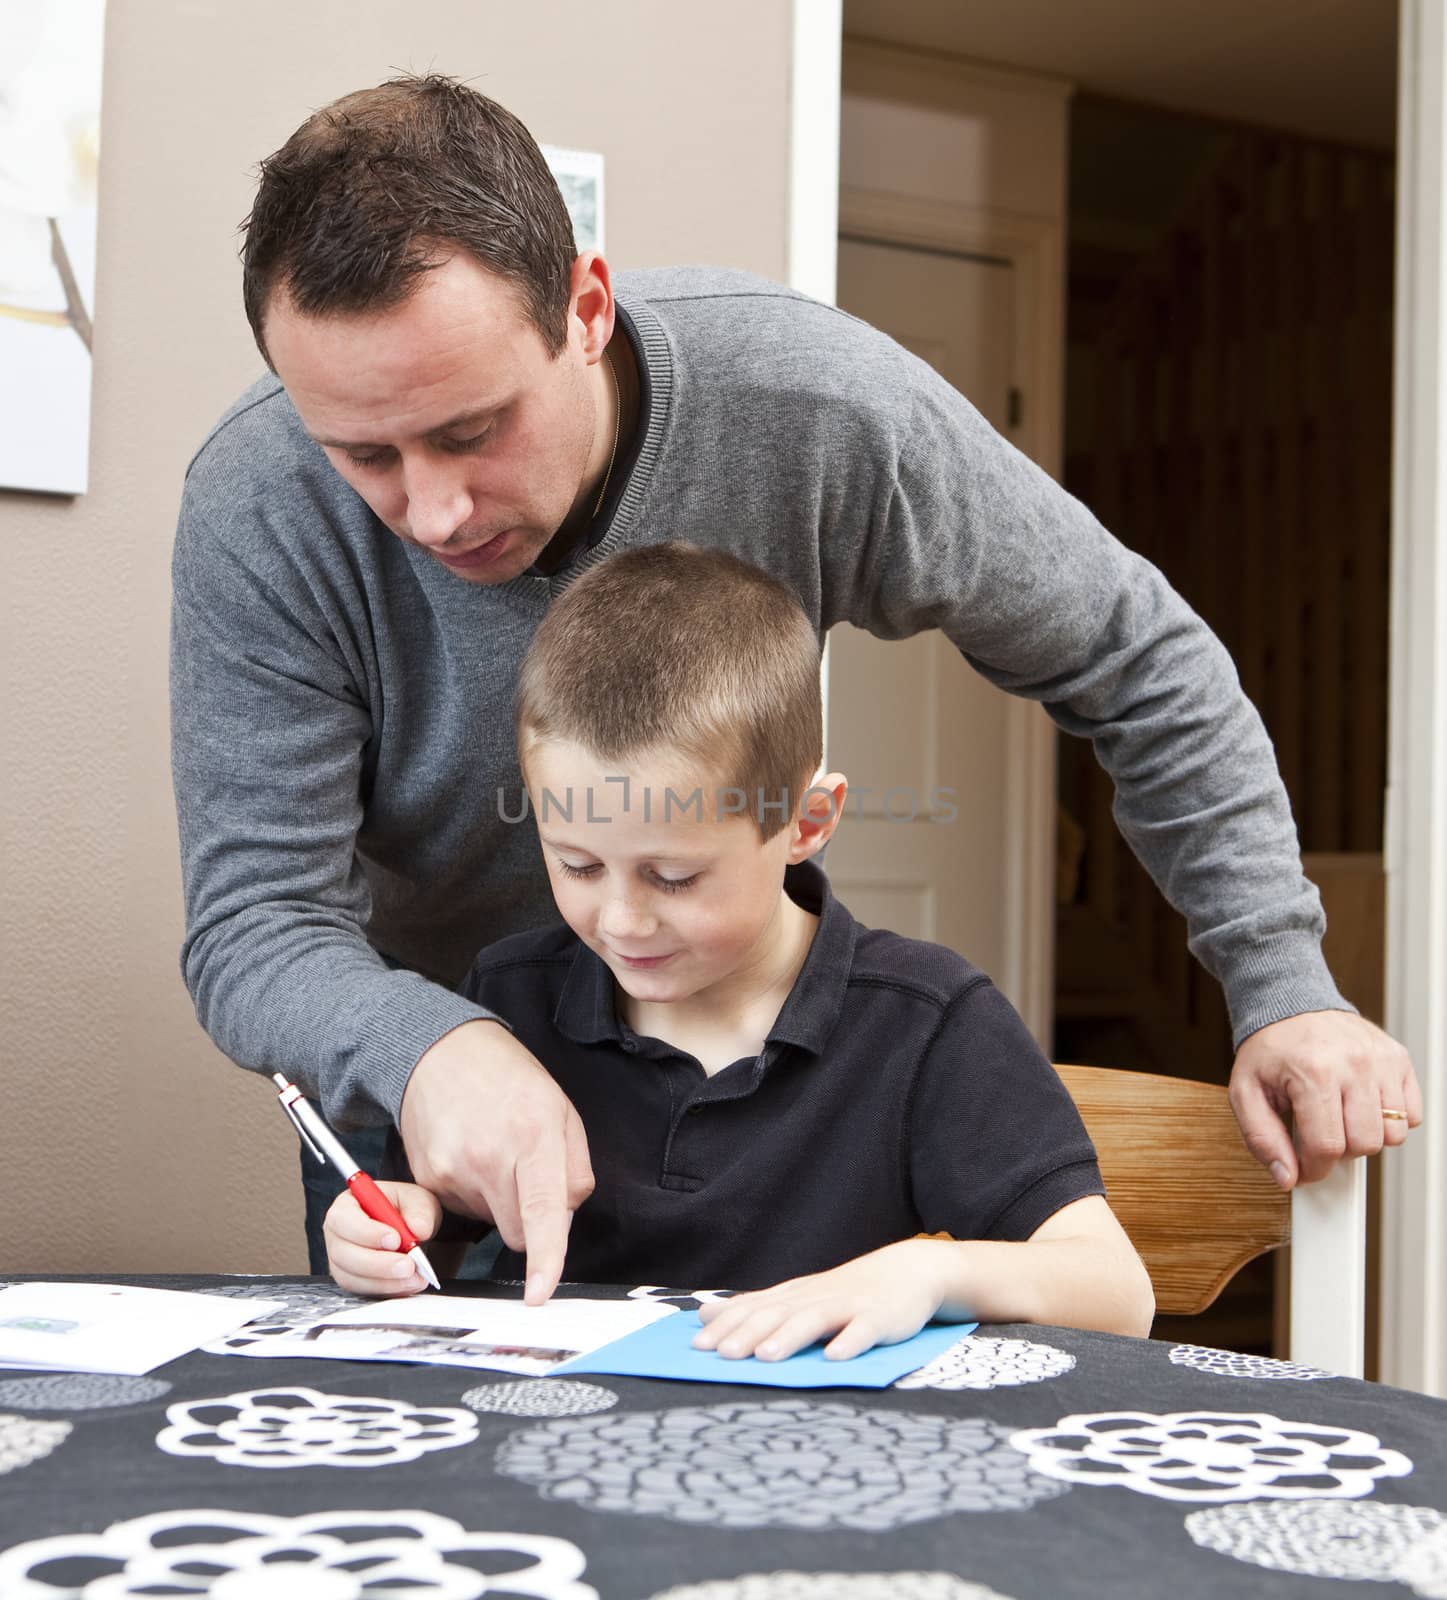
<point>1198,1207</point>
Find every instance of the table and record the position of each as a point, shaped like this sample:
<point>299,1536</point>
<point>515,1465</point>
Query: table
<point>1027,1462</point>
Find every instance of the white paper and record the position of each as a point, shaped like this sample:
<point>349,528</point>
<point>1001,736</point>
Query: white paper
<point>457,1330</point>
<point>112,1327</point>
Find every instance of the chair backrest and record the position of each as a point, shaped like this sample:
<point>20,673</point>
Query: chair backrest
<point>1198,1207</point>
<point>1195,1202</point>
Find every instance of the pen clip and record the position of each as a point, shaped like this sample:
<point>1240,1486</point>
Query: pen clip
<point>288,1096</point>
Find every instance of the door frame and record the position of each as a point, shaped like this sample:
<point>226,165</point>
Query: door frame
<point>816,86</point>
<point>1414,1178</point>
<point>1034,248</point>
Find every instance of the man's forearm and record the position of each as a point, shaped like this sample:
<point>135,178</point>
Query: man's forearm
<point>276,991</point>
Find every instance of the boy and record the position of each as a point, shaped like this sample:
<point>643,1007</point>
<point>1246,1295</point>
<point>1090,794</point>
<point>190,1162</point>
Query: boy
<point>770,1091</point>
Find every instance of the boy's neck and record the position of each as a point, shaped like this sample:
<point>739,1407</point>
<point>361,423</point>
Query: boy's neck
<point>732,1018</point>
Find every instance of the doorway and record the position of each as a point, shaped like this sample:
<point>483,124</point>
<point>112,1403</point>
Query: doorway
<point>948,836</point>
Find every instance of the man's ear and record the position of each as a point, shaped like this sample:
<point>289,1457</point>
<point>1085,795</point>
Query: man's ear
<point>590,304</point>
<point>818,816</point>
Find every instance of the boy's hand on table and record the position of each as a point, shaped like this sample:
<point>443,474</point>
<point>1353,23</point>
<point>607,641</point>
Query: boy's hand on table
<point>880,1298</point>
<point>363,1255</point>
<point>490,1134</point>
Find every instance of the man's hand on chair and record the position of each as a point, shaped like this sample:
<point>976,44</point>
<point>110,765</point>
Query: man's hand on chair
<point>1334,1073</point>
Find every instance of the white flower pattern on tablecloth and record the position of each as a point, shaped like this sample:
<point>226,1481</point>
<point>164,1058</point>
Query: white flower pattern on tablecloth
<point>1232,1364</point>
<point>688,1299</point>
<point>541,1397</point>
<point>1357,1540</point>
<point>304,1428</point>
<point>79,1391</point>
<point>1211,1456</point>
<point>302,1305</point>
<point>986,1363</point>
<point>300,1302</point>
<point>835,1586</point>
<point>1424,1567</point>
<point>24,1439</point>
<point>329,1555</point>
<point>794,1464</point>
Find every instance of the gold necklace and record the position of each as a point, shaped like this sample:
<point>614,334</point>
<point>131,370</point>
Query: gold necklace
<point>617,423</point>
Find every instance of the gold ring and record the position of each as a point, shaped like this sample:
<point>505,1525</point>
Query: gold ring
<point>1392,1114</point>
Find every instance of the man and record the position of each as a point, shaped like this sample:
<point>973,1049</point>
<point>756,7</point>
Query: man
<point>467,416</point>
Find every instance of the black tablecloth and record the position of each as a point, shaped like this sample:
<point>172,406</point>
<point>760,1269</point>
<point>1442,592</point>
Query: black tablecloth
<point>1028,1462</point>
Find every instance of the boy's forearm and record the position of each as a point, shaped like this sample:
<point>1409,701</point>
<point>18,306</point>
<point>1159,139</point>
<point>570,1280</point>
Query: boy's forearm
<point>1072,1282</point>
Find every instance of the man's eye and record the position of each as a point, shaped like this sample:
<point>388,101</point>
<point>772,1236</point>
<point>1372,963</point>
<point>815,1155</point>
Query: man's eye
<point>461,447</point>
<point>365,461</point>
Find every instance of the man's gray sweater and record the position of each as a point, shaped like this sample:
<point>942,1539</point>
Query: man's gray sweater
<point>342,705</point>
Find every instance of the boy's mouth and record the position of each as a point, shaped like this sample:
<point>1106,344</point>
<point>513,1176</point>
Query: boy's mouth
<point>642,963</point>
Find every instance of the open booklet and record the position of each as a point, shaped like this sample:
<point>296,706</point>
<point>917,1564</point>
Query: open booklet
<point>637,1337</point>
<point>455,1330</point>
<point>112,1327</point>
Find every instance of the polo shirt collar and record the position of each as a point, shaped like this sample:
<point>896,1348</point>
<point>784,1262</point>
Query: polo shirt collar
<point>816,1002</point>
<point>587,1013</point>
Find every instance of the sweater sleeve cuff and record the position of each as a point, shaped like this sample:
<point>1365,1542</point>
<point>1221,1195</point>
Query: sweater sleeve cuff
<point>413,1015</point>
<point>1268,980</point>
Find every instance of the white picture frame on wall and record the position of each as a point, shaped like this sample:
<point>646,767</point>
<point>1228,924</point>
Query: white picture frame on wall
<point>579,175</point>
<point>50,91</point>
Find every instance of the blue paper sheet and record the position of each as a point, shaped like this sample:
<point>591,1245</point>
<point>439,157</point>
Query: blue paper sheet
<point>664,1349</point>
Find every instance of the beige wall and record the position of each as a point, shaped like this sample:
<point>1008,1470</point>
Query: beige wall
<point>129,1143</point>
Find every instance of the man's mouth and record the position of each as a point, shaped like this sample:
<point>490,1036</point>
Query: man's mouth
<point>480,555</point>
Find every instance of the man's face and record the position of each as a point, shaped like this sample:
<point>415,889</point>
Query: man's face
<point>447,415</point>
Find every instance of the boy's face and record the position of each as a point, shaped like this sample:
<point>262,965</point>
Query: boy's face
<point>675,899</point>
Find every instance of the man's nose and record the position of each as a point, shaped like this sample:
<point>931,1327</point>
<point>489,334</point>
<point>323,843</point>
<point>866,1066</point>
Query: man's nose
<point>438,502</point>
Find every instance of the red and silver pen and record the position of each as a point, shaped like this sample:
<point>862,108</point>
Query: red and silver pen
<point>327,1148</point>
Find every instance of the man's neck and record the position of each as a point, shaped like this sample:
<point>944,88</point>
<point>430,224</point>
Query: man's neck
<point>618,408</point>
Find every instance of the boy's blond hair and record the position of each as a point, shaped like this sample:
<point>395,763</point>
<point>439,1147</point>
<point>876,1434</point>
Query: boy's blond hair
<point>677,651</point>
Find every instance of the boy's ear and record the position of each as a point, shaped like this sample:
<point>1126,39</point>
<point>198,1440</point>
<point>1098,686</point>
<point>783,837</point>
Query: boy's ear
<point>818,816</point>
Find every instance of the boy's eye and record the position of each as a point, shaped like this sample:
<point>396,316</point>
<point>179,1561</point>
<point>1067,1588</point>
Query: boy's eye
<point>366,461</point>
<point>668,885</point>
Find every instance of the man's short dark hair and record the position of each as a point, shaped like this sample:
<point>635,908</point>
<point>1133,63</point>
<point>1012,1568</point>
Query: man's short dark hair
<point>384,184</point>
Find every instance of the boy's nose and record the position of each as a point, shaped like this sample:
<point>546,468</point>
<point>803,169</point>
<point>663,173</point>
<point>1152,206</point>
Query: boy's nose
<point>623,920</point>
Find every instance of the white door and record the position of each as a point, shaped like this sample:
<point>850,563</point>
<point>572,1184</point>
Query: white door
<point>915,730</point>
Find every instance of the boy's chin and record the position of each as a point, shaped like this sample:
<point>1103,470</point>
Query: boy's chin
<point>659,985</point>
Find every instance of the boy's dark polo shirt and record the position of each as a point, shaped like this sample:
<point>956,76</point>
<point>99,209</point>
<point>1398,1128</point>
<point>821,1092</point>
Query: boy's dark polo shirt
<point>898,1093</point>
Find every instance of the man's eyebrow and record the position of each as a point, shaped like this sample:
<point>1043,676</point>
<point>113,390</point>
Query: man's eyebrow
<point>463,419</point>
